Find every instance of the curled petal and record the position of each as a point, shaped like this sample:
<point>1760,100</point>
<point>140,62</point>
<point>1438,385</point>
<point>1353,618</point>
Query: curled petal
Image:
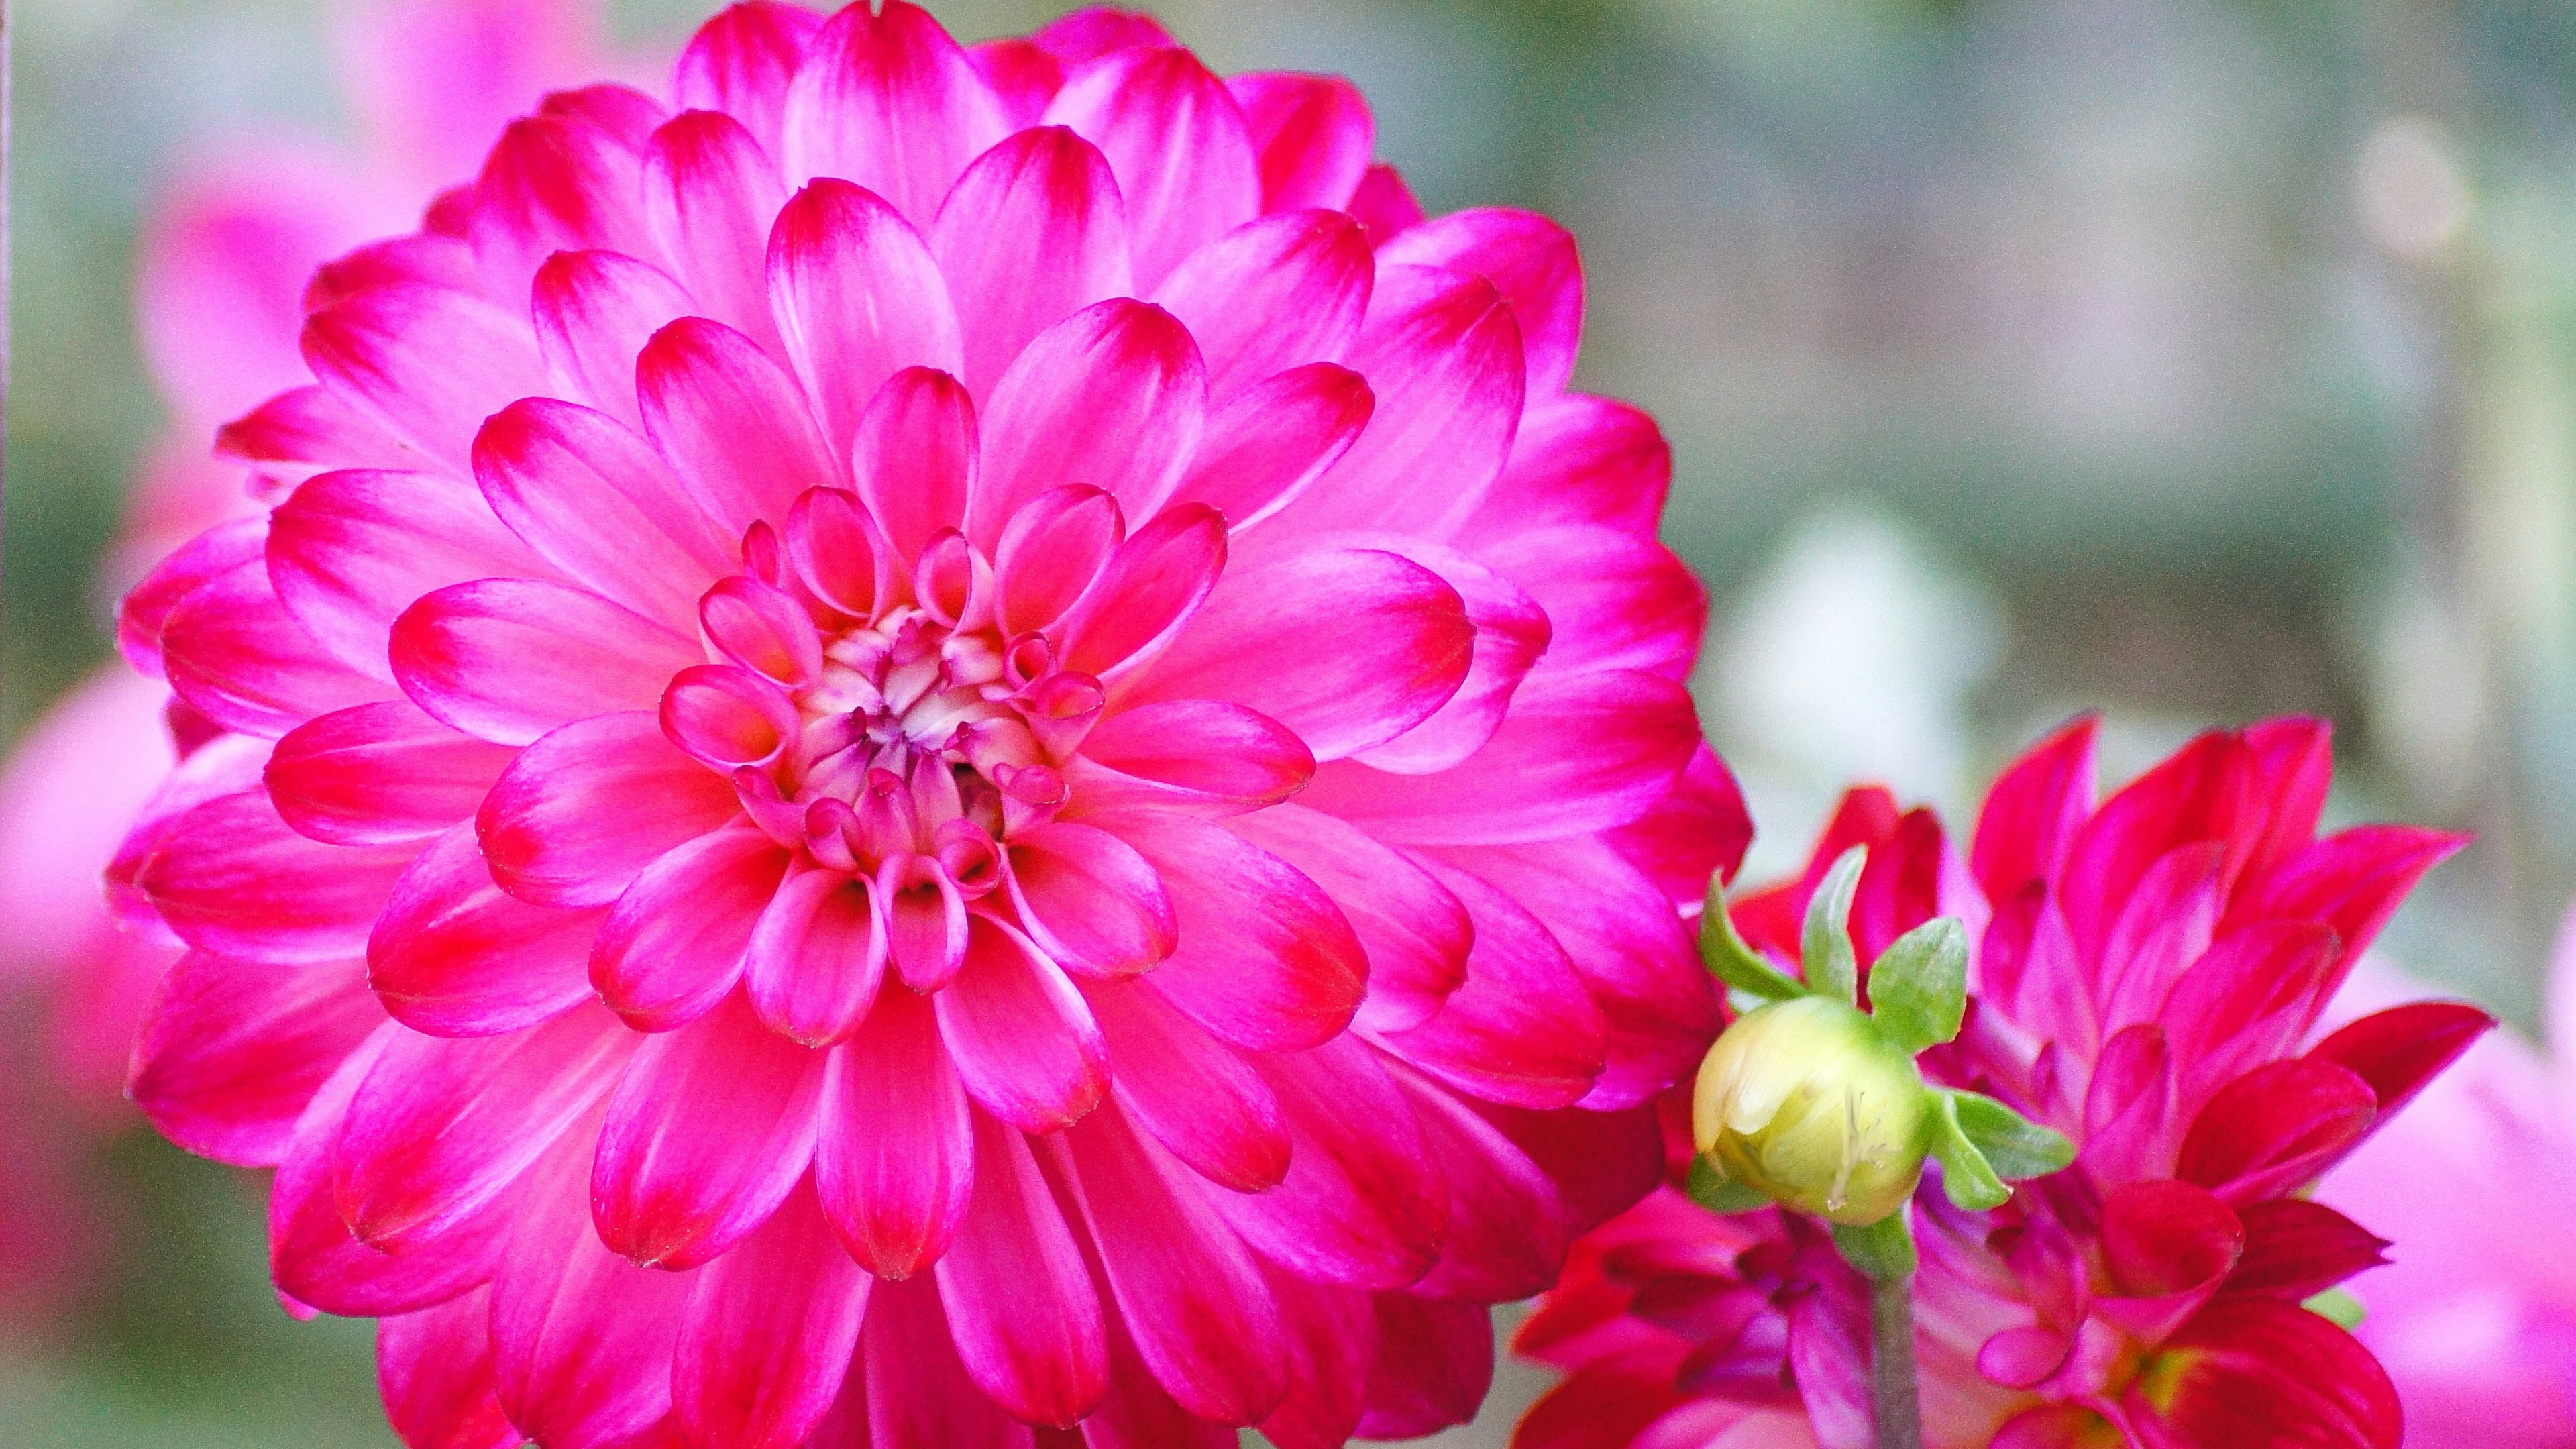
<point>1025,1045</point>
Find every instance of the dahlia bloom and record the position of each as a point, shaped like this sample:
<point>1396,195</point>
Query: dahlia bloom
<point>2475,1315</point>
<point>948,744</point>
<point>2149,978</point>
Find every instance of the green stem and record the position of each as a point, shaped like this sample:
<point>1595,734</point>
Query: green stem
<point>1891,1363</point>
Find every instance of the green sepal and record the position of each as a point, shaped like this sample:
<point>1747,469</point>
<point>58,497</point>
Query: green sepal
<point>1719,1193</point>
<point>2336,1307</point>
<point>2013,1145</point>
<point>1825,950</point>
<point>1884,1249</point>
<point>1733,962</point>
<point>1918,991</point>
<point>1966,1176</point>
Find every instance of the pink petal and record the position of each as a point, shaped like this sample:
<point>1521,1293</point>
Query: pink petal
<point>1021,74</point>
<point>895,1159</point>
<point>304,431</point>
<point>454,955</point>
<point>1201,753</point>
<point>2276,1128</point>
<point>434,1368</point>
<point>888,101</point>
<point>507,660</point>
<point>1313,133</point>
<point>2397,1051</point>
<point>742,61</point>
<point>731,421</point>
<point>1578,460</point>
<point>1018,1298</point>
<point>1265,959</point>
<point>441,1127</point>
<point>1416,934</point>
<point>583,1339</point>
<point>1050,551</point>
<point>1613,600</point>
<point>1332,1340</point>
<point>817,957</point>
<point>1579,753</point>
<point>232,879</point>
<point>1508,1227</point>
<point>770,1330</point>
<point>2352,880</point>
<point>710,1127</point>
<point>427,363</point>
<point>2261,1371</point>
<point>1190,1292</point>
<point>561,180</point>
<point>674,943</point>
<point>1112,397</point>
<point>2033,811</point>
<point>1176,142</point>
<point>1265,445</point>
<point>2244,1002</point>
<point>1153,584</point>
<point>1024,1043</point>
<point>1384,204</point>
<point>1097,30</point>
<point>914,1389</point>
<point>1511,633</point>
<point>1089,899</point>
<point>858,298</point>
<point>379,773</point>
<point>1363,1204</point>
<point>349,551</point>
<point>1199,1098</point>
<point>233,1051</point>
<point>145,609</point>
<point>709,197</point>
<point>594,311</point>
<point>1348,647</point>
<point>235,653</point>
<point>1699,831</point>
<point>597,502</point>
<point>2296,1249</point>
<point>1033,233</point>
<point>917,457</point>
<point>582,811</point>
<point>1435,1362</point>
<point>2166,1237</point>
<point>1442,352</point>
<point>1522,1030</point>
<point>1531,260</point>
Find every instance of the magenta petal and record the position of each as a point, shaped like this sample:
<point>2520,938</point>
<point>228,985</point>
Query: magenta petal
<point>770,1330</point>
<point>2275,1128</point>
<point>857,298</point>
<point>232,879</point>
<point>1313,133</point>
<point>1579,460</point>
<point>1332,1340</point>
<point>1050,551</point>
<point>1024,1042</point>
<point>2398,1050</point>
<point>886,99</point>
<point>349,551</point>
<point>1113,397</point>
<point>1191,1294</point>
<point>917,457</point>
<point>597,502</point>
<point>580,813</point>
<point>674,943</point>
<point>1033,233</point>
<point>2162,1237</point>
<point>2296,1249</point>
<point>1349,647</point>
<point>817,957</point>
<point>912,1389</point>
<point>563,179</point>
<point>1018,1298</point>
<point>1697,832</point>
<point>507,660</point>
<point>732,422</point>
<point>1022,75</point>
<point>1201,753</point>
<point>434,1368</point>
<point>1363,1203</point>
<point>1177,143</point>
<point>1089,899</point>
<point>427,363</point>
<point>304,431</point>
<point>1416,934</point>
<point>379,773</point>
<point>895,1161</point>
<point>742,61</point>
<point>709,196</point>
<point>1512,632</point>
<point>440,1127</point>
<point>709,1128</point>
<point>1435,1362</point>
<point>1198,1097</point>
<point>238,656</point>
<point>1153,584</point>
<point>1522,1030</point>
<point>454,955</point>
<point>1613,600</point>
<point>1508,1226</point>
<point>1531,260</point>
<point>1273,438</point>
<point>1265,959</point>
<point>233,1051</point>
<point>1272,294</point>
<point>146,608</point>
<point>594,311</point>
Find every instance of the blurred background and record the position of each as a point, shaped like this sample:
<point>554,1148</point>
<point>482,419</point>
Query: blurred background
<point>2192,361</point>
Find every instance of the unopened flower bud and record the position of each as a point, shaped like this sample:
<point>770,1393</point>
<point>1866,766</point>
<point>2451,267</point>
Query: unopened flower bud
<point>1807,1103</point>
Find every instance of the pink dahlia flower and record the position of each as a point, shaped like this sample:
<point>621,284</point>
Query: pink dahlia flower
<point>948,744</point>
<point>2475,1314</point>
<point>2149,979</point>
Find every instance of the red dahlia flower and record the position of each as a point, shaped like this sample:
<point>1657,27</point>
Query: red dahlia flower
<point>2149,978</point>
<point>1003,751</point>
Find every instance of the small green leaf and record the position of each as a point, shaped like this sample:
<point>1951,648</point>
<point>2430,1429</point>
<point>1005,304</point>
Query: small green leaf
<point>2013,1145</point>
<point>1825,948</point>
<point>1965,1174</point>
<point>1719,1193</point>
<point>1733,962</point>
<point>1918,990</point>
<point>2336,1307</point>
<point>1884,1250</point>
